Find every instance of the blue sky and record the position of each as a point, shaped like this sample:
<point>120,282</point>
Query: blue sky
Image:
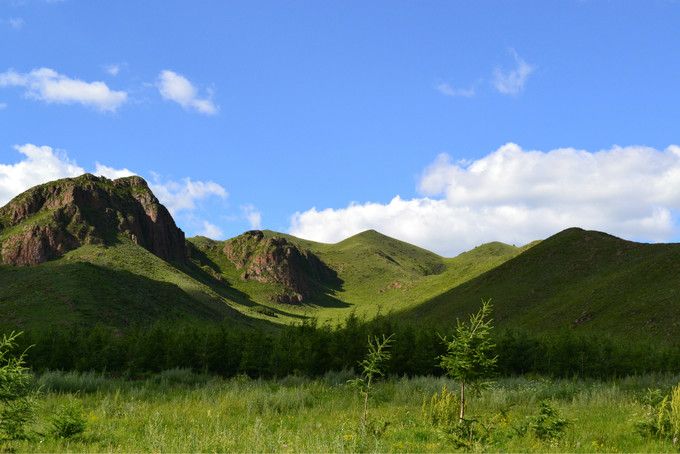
<point>301,105</point>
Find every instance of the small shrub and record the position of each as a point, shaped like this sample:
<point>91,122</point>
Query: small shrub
<point>675,413</point>
<point>68,421</point>
<point>662,414</point>
<point>442,409</point>
<point>548,425</point>
<point>17,404</point>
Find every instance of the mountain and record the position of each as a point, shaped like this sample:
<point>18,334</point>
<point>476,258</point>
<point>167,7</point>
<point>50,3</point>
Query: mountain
<point>275,259</point>
<point>366,273</point>
<point>49,220</point>
<point>579,280</point>
<point>91,250</point>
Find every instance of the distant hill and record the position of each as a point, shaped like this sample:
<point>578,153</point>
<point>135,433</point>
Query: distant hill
<point>371,272</point>
<point>90,250</point>
<point>577,280</point>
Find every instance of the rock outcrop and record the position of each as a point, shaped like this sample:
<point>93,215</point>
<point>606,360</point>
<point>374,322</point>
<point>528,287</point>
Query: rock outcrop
<point>277,260</point>
<point>48,220</point>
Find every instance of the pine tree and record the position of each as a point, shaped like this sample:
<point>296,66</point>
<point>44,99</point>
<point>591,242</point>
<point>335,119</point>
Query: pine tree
<point>470,356</point>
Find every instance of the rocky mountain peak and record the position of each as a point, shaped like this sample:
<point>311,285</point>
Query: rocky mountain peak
<point>278,260</point>
<point>48,220</point>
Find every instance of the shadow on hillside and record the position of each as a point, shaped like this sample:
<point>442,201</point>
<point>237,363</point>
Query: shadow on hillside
<point>210,274</point>
<point>82,292</point>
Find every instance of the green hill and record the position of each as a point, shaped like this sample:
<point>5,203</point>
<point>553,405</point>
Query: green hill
<point>581,280</point>
<point>374,273</point>
<point>90,250</point>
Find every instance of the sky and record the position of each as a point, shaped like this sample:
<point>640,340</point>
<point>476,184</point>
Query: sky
<point>446,124</point>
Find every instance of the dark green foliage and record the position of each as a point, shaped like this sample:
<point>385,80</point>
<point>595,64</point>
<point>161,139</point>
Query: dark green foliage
<point>16,390</point>
<point>68,421</point>
<point>313,349</point>
<point>548,425</point>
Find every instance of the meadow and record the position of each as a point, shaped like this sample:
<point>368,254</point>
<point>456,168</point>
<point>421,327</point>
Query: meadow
<point>182,411</point>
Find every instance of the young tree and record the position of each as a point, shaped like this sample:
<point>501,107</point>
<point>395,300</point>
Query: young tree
<point>372,368</point>
<point>470,356</point>
<point>16,390</point>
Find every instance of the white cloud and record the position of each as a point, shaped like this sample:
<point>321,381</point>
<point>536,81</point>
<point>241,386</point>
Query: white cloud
<point>112,70</point>
<point>211,231</point>
<point>110,172</point>
<point>448,90</point>
<point>182,195</point>
<point>17,23</point>
<point>177,88</point>
<point>39,165</point>
<point>253,216</point>
<point>511,82</point>
<point>517,196</point>
<point>47,85</point>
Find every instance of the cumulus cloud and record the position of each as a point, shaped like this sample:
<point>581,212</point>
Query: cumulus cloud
<point>182,195</point>
<point>252,215</point>
<point>110,172</point>
<point>211,231</point>
<point>512,81</point>
<point>177,88</point>
<point>448,90</point>
<point>516,196</point>
<point>39,165</point>
<point>45,84</point>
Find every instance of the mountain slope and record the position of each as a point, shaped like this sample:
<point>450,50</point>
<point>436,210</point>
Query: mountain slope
<point>577,279</point>
<point>372,272</point>
<point>90,250</point>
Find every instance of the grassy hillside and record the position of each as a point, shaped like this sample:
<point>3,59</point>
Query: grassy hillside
<point>585,280</point>
<point>117,285</point>
<point>376,273</point>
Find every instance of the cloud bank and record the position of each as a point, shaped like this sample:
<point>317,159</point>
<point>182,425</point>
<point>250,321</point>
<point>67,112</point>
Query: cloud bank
<point>516,196</point>
<point>177,88</point>
<point>45,84</point>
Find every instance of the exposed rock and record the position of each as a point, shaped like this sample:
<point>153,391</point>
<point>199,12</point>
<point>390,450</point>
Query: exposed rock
<point>49,220</point>
<point>277,260</point>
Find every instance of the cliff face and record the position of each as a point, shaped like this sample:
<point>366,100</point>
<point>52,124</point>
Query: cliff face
<point>276,260</point>
<point>48,220</point>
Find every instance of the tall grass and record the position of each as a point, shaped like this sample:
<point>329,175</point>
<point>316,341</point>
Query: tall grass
<point>193,412</point>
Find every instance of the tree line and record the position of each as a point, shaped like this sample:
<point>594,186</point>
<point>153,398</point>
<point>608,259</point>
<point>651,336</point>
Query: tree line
<point>312,349</point>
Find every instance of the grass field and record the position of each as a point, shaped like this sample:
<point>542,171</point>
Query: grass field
<point>179,411</point>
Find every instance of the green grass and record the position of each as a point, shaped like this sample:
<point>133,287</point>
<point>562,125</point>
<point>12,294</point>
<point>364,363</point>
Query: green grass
<point>378,273</point>
<point>178,411</point>
<point>117,285</point>
<point>582,280</point>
